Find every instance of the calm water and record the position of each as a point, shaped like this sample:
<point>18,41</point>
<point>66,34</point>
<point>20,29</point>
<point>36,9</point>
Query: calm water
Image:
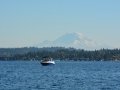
<point>30,75</point>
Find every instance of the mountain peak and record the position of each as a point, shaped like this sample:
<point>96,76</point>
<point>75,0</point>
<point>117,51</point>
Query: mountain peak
<point>75,40</point>
<point>70,37</point>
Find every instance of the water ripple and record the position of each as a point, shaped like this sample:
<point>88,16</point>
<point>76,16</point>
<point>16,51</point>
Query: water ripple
<point>17,75</point>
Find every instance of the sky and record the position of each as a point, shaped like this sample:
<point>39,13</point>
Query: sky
<point>28,22</point>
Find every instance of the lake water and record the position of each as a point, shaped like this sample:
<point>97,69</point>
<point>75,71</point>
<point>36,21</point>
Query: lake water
<point>73,75</point>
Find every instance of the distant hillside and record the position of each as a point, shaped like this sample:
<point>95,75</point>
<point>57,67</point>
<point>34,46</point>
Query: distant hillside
<point>24,50</point>
<point>59,53</point>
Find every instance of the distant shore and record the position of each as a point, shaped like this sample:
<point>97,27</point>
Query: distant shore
<point>59,53</point>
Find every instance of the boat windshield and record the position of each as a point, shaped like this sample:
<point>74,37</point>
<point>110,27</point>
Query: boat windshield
<point>47,59</point>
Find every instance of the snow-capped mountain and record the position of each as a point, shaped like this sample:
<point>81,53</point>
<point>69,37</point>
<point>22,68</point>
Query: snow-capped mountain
<point>75,40</point>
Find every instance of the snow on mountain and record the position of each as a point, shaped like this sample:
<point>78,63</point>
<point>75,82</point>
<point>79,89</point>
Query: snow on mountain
<point>75,40</point>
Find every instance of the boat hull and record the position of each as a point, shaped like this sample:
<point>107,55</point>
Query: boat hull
<point>47,61</point>
<point>46,64</point>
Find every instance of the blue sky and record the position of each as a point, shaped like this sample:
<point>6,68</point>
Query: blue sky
<point>28,22</point>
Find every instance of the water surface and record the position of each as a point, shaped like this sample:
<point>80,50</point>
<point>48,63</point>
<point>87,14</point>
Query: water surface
<point>72,75</point>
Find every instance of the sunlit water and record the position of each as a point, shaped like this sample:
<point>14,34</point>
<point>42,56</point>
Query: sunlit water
<point>30,75</point>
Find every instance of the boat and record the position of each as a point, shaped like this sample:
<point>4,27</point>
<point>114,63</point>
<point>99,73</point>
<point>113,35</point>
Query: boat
<point>47,61</point>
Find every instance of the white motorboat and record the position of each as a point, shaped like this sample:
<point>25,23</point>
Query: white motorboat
<point>47,61</point>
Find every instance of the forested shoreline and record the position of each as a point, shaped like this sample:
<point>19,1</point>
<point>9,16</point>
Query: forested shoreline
<point>59,53</point>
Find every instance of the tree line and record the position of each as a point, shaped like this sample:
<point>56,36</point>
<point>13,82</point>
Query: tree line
<point>59,53</point>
